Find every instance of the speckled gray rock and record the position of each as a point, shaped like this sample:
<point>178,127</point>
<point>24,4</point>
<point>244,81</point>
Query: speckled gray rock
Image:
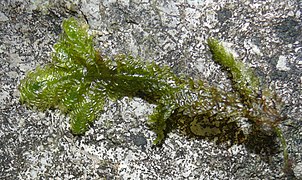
<point>266,35</point>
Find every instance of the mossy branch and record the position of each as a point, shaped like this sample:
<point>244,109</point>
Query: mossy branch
<point>80,81</point>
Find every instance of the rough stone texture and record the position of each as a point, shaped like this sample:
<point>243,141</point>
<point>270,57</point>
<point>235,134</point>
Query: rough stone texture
<point>266,35</point>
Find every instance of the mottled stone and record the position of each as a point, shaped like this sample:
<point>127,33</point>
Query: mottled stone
<point>266,35</point>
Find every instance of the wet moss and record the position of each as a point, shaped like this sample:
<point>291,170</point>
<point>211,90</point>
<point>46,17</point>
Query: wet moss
<point>80,81</point>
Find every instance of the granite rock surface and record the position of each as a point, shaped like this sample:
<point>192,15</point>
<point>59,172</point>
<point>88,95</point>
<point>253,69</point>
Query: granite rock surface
<point>266,35</point>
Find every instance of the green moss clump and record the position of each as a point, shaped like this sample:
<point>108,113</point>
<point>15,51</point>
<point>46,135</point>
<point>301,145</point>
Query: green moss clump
<point>80,81</point>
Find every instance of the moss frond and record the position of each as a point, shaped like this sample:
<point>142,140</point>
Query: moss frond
<point>243,78</point>
<point>80,81</point>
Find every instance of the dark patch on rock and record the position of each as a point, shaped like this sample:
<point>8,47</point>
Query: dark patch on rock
<point>289,30</point>
<point>139,140</point>
<point>224,15</point>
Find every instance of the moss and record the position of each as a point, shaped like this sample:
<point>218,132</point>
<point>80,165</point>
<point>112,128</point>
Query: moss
<point>80,81</point>
<point>243,79</point>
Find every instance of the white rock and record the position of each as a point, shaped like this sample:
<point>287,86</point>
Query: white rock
<point>3,17</point>
<point>281,64</point>
<point>298,170</point>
